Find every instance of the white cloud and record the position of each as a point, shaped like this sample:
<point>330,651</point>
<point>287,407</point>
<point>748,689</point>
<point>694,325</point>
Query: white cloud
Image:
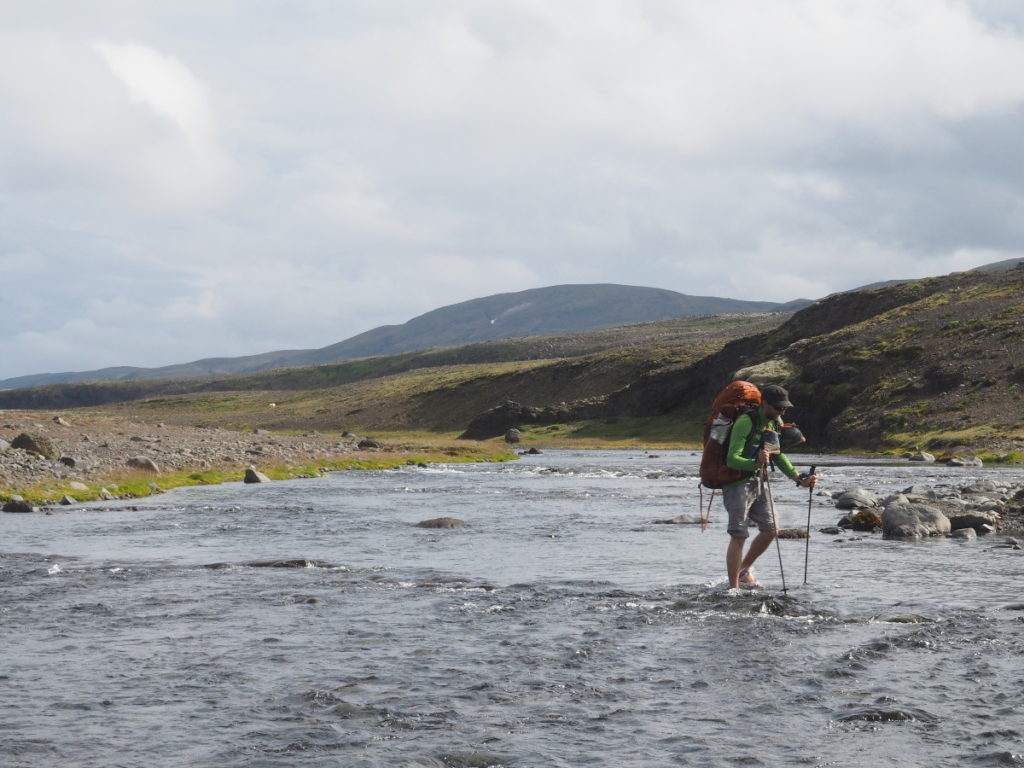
<point>255,177</point>
<point>119,121</point>
<point>163,84</point>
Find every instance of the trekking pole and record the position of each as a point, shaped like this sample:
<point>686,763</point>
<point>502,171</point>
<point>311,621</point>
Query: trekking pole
<point>775,522</point>
<point>807,542</point>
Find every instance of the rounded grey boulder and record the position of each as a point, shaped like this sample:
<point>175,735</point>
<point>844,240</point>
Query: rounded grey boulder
<point>914,521</point>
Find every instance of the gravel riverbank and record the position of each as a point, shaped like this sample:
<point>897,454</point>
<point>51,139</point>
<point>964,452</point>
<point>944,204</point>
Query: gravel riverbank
<point>39,449</point>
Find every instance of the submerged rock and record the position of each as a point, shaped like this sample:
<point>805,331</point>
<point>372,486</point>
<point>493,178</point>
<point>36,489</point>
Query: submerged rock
<point>442,522</point>
<point>967,534</point>
<point>888,715</point>
<point>680,520</point>
<point>792,533</point>
<point>294,563</point>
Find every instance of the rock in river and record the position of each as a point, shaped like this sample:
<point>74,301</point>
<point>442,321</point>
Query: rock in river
<point>19,505</point>
<point>442,522</point>
<point>914,521</point>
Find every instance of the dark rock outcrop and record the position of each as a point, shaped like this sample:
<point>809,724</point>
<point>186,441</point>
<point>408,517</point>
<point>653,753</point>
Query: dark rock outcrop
<point>510,415</point>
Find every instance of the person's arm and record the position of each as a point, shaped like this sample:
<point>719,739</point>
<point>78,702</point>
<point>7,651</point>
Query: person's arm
<point>734,458</point>
<point>782,462</point>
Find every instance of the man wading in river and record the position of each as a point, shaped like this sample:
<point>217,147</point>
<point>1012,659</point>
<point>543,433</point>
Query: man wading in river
<point>747,499</point>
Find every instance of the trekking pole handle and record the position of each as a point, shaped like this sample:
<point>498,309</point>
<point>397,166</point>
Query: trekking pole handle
<point>804,475</point>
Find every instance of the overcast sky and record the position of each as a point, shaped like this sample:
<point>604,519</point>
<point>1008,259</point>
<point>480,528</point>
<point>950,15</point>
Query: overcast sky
<point>203,178</point>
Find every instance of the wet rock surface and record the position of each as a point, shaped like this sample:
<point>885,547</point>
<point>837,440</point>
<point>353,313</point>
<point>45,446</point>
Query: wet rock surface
<point>442,522</point>
<point>921,511</point>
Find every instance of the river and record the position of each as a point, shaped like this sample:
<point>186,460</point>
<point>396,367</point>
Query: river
<point>561,627</point>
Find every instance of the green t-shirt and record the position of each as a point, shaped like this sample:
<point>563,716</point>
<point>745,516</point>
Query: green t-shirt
<point>745,437</point>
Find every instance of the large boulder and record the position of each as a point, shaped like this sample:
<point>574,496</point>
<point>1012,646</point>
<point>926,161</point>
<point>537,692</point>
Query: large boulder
<point>143,464</point>
<point>18,504</point>
<point>253,475</point>
<point>914,521</point>
<point>36,444</point>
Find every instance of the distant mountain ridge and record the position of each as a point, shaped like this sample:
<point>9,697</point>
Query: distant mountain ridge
<point>537,311</point>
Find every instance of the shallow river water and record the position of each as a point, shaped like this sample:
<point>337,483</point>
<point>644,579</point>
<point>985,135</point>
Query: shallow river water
<point>562,627</point>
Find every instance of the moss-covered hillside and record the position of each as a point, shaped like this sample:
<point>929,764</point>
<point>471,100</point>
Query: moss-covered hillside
<point>935,363</point>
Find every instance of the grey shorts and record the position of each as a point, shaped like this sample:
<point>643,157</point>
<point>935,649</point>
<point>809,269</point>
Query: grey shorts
<point>743,503</point>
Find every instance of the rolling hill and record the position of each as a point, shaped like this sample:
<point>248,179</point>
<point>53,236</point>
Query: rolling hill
<point>550,310</point>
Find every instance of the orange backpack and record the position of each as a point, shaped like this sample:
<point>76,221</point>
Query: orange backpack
<point>737,398</point>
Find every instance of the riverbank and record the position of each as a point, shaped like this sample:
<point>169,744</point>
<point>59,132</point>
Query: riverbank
<point>45,457</point>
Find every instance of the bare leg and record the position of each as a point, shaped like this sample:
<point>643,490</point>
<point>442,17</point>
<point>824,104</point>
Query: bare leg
<point>733,555</point>
<point>757,548</point>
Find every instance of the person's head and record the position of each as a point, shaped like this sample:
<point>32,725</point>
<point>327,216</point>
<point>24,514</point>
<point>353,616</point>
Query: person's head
<point>775,400</point>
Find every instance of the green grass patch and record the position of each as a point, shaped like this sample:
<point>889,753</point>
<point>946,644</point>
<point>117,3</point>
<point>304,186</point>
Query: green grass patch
<point>939,440</point>
<point>667,432</point>
<point>130,485</point>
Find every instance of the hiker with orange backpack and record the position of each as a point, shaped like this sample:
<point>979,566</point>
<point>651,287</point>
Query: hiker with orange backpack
<point>754,422</point>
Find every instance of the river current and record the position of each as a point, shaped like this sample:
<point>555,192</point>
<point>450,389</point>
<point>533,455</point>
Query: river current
<point>561,627</point>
